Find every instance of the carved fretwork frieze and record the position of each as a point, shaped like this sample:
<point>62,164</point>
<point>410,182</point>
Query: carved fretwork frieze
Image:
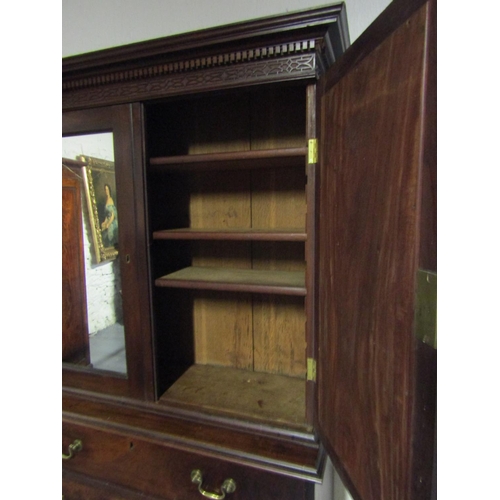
<point>254,67</point>
<point>182,66</point>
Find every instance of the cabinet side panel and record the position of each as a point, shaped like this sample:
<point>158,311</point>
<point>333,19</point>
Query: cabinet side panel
<point>368,222</point>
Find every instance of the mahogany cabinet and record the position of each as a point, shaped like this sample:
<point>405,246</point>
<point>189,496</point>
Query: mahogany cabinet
<point>276,197</point>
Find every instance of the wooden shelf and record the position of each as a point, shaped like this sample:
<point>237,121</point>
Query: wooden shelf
<point>231,234</point>
<point>236,392</point>
<point>236,280</point>
<point>267,158</point>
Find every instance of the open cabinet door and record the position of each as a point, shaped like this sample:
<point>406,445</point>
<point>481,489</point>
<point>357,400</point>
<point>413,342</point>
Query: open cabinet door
<point>376,231</point>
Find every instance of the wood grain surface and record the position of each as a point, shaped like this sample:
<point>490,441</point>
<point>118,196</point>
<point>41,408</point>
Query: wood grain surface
<point>371,133</point>
<point>221,278</point>
<point>241,393</point>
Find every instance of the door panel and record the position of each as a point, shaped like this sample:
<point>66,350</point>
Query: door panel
<point>125,122</point>
<point>371,132</point>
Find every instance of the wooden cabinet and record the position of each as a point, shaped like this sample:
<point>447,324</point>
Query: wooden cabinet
<point>159,471</point>
<point>277,200</point>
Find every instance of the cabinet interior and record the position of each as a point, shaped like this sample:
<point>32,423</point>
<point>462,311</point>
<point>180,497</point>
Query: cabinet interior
<point>226,186</point>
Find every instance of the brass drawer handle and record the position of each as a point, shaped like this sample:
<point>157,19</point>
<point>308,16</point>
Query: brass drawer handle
<point>73,448</point>
<point>228,486</point>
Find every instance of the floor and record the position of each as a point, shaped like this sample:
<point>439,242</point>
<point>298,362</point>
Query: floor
<point>107,349</point>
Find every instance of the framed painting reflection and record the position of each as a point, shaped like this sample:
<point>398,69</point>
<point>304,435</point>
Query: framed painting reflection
<point>100,190</point>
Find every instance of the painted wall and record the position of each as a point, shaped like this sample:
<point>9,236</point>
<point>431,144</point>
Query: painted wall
<point>98,24</point>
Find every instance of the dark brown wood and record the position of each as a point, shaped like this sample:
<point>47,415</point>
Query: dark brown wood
<point>140,342</point>
<point>369,240</point>
<point>261,72</point>
<point>134,463</point>
<point>425,408</point>
<point>428,225</point>
<point>122,120</point>
<point>269,158</point>
<point>310,251</point>
<point>236,280</point>
<point>269,448</point>
<point>396,13</point>
<point>424,423</point>
<point>95,380</point>
<point>75,334</point>
<point>231,234</point>
<point>77,486</point>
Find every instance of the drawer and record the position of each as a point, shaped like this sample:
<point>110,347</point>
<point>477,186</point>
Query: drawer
<point>79,487</point>
<point>158,470</point>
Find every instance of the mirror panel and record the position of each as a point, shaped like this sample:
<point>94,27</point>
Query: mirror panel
<point>91,159</point>
<point>112,136</point>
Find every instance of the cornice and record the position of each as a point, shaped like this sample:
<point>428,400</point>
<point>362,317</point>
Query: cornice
<point>312,23</point>
<point>279,48</point>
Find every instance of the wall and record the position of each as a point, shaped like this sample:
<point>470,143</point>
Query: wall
<point>99,24</point>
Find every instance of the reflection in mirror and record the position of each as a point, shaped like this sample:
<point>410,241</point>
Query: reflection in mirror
<point>94,167</point>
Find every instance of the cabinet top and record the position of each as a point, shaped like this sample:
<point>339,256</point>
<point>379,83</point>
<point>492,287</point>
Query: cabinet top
<point>278,48</point>
<point>284,28</point>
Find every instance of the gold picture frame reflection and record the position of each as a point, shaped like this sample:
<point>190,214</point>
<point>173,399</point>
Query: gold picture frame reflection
<point>100,190</point>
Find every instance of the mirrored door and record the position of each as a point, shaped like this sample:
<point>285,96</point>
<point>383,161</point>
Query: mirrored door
<point>90,158</point>
<point>106,326</point>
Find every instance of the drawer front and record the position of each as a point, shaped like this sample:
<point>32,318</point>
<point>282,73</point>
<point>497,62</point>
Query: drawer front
<point>79,487</point>
<point>161,471</point>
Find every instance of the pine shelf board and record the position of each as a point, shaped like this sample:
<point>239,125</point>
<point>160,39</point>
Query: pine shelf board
<point>241,393</point>
<point>236,280</point>
<point>292,234</point>
<point>265,158</point>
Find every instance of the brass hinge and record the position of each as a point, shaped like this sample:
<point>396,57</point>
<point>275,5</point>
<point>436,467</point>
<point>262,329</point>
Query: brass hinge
<point>426,308</point>
<point>312,151</point>
<point>311,369</point>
